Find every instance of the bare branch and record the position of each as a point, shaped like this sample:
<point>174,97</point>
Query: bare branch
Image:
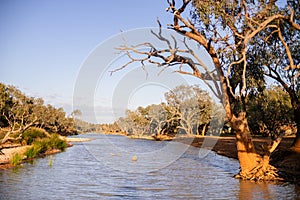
<point>291,19</point>
<point>208,75</point>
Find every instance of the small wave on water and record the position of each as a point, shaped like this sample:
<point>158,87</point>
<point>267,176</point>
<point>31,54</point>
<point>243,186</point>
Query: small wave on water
<point>80,174</point>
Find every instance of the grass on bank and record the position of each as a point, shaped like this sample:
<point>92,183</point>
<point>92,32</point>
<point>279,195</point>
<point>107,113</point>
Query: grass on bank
<point>41,143</point>
<point>41,146</point>
<point>16,159</point>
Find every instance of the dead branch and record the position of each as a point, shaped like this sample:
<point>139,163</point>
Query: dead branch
<point>172,58</point>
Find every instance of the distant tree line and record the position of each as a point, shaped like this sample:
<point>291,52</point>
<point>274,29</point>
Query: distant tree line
<point>18,112</point>
<point>188,110</point>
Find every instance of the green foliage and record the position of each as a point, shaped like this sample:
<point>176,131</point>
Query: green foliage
<point>188,110</point>
<point>56,143</point>
<point>16,159</point>
<point>32,152</point>
<point>20,112</point>
<point>269,110</point>
<point>85,127</point>
<point>4,105</point>
<point>41,146</point>
<point>32,134</point>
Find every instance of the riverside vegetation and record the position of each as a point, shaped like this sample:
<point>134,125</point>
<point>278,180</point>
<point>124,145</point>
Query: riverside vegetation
<point>28,128</point>
<point>37,143</point>
<point>40,144</point>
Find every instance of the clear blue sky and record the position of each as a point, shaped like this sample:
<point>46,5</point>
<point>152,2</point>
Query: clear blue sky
<point>43,43</point>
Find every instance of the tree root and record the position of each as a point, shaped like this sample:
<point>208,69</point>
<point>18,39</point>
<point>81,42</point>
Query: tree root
<point>261,173</point>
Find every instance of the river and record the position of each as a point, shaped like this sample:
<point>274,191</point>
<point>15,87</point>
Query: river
<point>104,169</point>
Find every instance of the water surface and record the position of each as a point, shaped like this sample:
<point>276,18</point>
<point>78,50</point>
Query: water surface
<point>103,169</point>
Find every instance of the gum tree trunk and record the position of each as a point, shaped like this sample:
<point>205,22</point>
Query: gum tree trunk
<point>247,155</point>
<point>253,166</point>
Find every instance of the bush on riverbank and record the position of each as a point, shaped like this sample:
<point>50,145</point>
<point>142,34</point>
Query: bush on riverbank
<point>33,134</point>
<point>32,152</point>
<point>42,146</point>
<point>35,142</point>
<point>16,159</point>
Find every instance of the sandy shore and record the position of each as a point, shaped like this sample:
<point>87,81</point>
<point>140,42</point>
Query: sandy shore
<point>8,154</point>
<point>78,139</point>
<point>226,146</point>
<point>9,151</point>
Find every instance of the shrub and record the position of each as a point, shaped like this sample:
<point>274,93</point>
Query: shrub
<point>56,143</point>
<point>16,159</point>
<point>33,134</point>
<point>45,144</point>
<point>40,146</point>
<point>33,152</point>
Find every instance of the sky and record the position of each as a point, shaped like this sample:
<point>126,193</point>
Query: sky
<point>44,43</point>
<point>45,46</point>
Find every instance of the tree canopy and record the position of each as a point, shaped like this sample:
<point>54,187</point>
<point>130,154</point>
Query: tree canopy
<point>20,112</point>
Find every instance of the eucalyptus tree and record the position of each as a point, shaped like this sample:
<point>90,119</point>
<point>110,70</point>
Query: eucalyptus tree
<point>76,114</point>
<point>276,52</point>
<point>18,114</point>
<point>5,100</point>
<point>243,22</point>
<point>158,118</point>
<point>225,30</point>
<point>135,122</point>
<point>123,124</point>
<point>191,106</point>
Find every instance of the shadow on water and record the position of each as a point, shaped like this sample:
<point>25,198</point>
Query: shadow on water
<point>103,169</point>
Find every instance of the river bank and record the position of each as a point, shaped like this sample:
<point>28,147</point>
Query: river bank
<point>284,159</point>
<point>8,152</point>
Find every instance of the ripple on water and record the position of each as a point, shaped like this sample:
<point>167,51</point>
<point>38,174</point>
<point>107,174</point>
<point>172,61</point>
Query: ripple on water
<point>78,173</point>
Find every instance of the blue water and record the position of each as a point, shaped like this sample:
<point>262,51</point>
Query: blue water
<point>103,169</point>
